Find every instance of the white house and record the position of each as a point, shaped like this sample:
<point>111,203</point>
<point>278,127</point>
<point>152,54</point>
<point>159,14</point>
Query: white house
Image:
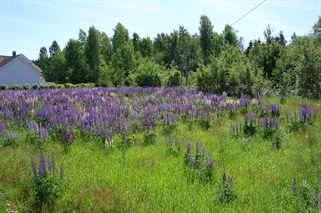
<point>18,69</point>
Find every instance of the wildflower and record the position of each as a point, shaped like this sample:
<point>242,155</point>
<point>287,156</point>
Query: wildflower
<point>62,172</point>
<point>34,168</point>
<point>188,147</point>
<point>311,195</point>
<point>224,175</point>
<point>42,166</point>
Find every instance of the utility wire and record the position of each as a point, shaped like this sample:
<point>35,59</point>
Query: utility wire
<point>248,12</point>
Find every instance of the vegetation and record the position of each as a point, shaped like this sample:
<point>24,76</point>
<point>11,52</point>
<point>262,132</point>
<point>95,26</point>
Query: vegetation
<point>157,150</point>
<point>209,61</point>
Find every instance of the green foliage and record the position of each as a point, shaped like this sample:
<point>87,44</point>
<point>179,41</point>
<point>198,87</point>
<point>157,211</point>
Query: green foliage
<point>93,53</point>
<point>149,137</point>
<point>174,79</point>
<point>43,86</point>
<point>206,38</point>
<point>124,141</point>
<point>173,149</point>
<point>265,66</point>
<point>35,86</point>
<point>3,87</point>
<point>15,86</point>
<point>148,75</point>
<point>47,190</point>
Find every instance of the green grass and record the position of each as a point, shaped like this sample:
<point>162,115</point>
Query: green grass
<point>151,179</point>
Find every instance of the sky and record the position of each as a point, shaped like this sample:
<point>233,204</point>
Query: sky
<point>28,25</point>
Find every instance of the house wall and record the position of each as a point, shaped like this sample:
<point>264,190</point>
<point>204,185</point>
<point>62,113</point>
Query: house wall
<point>19,72</point>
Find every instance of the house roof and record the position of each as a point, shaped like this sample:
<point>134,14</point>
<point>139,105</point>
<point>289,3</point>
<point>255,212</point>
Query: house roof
<point>7,59</point>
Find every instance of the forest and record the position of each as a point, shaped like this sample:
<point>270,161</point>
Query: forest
<point>209,61</point>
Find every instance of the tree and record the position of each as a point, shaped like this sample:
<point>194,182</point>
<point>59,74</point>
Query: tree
<point>76,62</point>
<point>230,36</point>
<point>146,47</point>
<point>93,52</point>
<point>105,48</point>
<point>206,37</point>
<point>54,49</point>
<point>309,68</point>
<point>43,60</point>
<point>58,72</point>
<point>82,37</point>
<point>122,63</point>
<point>120,37</point>
<point>136,41</point>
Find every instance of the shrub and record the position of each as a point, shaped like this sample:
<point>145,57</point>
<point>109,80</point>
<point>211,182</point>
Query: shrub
<point>148,75</point>
<point>149,137</point>
<point>174,79</point>
<point>35,86</point>
<point>46,185</point>
<point>26,86</point>
<point>43,86</point>
<point>15,86</point>
<point>3,87</point>
<point>68,85</point>
<point>60,86</point>
<point>53,86</point>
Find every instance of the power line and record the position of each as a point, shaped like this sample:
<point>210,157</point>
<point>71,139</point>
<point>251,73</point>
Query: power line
<point>248,12</point>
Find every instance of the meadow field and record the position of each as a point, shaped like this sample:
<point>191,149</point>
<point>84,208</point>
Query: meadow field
<point>157,150</point>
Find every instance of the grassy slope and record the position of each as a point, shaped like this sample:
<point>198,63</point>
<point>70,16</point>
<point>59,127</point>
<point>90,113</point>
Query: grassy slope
<point>150,179</point>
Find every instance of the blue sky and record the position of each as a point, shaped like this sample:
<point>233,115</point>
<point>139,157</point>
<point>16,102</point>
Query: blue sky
<point>28,25</point>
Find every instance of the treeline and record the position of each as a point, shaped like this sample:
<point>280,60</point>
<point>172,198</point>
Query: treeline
<point>209,61</point>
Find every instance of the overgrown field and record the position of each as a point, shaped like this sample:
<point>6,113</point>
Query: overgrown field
<point>157,150</point>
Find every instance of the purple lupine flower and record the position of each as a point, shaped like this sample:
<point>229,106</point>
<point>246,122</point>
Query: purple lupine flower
<point>169,143</point>
<point>49,164</point>
<point>294,187</point>
<point>12,135</point>
<point>201,150</point>
<point>232,127</point>
<point>312,195</point>
<point>229,180</point>
<point>43,134</point>
<point>188,147</point>
<point>34,168</point>
<point>62,172</point>
<point>287,115</point>
<point>304,112</point>
<point>42,166</point>
<point>224,175</point>
<point>195,162</point>
<point>209,162</point>
<point>319,200</point>
<point>191,160</point>
<point>244,101</point>
<point>177,142</point>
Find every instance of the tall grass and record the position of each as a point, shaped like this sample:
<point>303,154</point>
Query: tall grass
<point>102,177</point>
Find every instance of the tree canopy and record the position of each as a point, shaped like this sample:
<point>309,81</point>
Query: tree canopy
<point>216,61</point>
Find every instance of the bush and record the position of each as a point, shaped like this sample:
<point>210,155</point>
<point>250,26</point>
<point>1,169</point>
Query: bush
<point>69,85</point>
<point>35,86</point>
<point>15,86</point>
<point>53,86</point>
<point>26,86</point>
<point>174,79</point>
<point>3,87</point>
<point>148,75</point>
<point>42,86</point>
